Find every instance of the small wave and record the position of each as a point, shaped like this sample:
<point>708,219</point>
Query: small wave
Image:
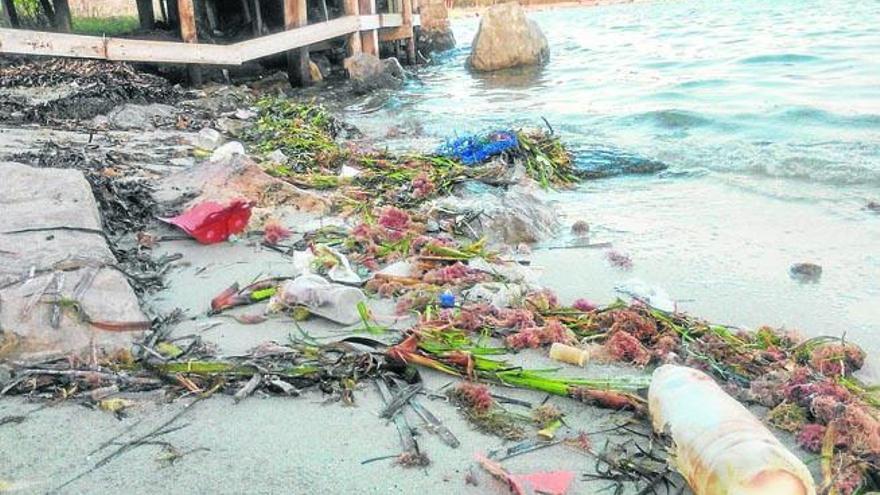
<point>779,58</point>
<point>672,119</point>
<point>803,115</point>
<point>595,162</point>
<point>703,83</point>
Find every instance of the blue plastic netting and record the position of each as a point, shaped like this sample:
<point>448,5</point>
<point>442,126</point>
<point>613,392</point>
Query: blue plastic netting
<point>472,149</point>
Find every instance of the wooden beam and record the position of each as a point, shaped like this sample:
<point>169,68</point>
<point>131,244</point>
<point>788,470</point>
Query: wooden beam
<point>408,27</point>
<point>190,52</point>
<point>289,40</point>
<point>189,34</point>
<point>146,14</point>
<point>62,15</point>
<point>352,8</point>
<point>369,38</point>
<point>11,14</point>
<point>296,16</point>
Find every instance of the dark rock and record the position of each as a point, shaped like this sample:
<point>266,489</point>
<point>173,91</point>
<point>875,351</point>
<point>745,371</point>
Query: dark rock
<point>368,73</point>
<point>580,228</point>
<point>805,272</point>
<point>435,40</point>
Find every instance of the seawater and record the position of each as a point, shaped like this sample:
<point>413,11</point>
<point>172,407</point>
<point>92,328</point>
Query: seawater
<point>767,115</point>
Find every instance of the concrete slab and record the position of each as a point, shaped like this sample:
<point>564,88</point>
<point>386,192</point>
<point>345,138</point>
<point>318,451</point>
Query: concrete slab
<point>52,248</point>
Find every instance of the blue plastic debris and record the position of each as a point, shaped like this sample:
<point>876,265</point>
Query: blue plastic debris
<point>447,300</point>
<point>472,149</point>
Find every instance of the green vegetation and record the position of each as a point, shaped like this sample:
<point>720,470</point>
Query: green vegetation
<point>31,15</point>
<point>109,26</point>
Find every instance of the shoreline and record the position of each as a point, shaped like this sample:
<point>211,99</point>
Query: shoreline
<point>461,12</point>
<point>206,271</point>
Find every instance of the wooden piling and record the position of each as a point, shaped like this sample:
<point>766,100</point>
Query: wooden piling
<point>258,18</point>
<point>295,15</point>
<point>369,38</point>
<point>354,40</point>
<point>173,13</point>
<point>189,34</point>
<point>62,15</point>
<point>146,14</point>
<point>408,26</point>
<point>11,14</point>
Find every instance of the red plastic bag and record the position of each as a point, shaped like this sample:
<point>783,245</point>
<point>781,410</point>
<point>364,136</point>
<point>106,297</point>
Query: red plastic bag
<point>211,222</point>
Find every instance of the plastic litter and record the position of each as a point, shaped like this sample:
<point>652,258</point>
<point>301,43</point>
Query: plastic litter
<point>720,447</point>
<point>211,222</point>
<point>653,296</point>
<point>335,302</point>
<point>497,294</point>
<point>550,483</point>
<point>569,354</point>
<point>473,149</point>
<point>447,300</point>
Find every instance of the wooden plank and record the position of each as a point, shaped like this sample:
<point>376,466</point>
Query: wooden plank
<point>62,15</point>
<point>146,15</point>
<point>121,49</point>
<point>288,40</point>
<point>52,44</point>
<point>395,34</point>
<point>295,16</point>
<point>352,8</point>
<point>71,45</point>
<point>11,13</point>
<point>189,34</point>
<point>370,37</point>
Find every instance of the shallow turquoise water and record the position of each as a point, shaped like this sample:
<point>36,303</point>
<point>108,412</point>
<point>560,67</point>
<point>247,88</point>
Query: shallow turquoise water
<point>768,116</point>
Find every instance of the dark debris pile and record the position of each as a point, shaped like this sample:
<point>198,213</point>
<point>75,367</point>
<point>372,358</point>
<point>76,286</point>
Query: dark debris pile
<point>86,88</point>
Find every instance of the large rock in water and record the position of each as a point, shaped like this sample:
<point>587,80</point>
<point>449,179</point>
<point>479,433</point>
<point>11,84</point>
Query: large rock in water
<point>507,38</point>
<point>368,73</point>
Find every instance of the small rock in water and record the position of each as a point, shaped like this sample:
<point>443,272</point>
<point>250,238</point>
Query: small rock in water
<point>873,206</point>
<point>805,272</point>
<point>619,260</point>
<point>580,228</point>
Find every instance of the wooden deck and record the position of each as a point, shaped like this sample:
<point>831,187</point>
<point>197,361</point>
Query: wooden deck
<point>361,24</point>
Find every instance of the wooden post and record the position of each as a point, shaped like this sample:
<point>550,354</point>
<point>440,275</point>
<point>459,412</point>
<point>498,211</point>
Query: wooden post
<point>173,13</point>
<point>189,34</point>
<point>354,41</point>
<point>369,39</point>
<point>258,18</point>
<point>49,11</point>
<point>11,14</point>
<point>146,15</point>
<point>246,11</point>
<point>408,25</point>
<point>211,14</point>
<point>295,15</point>
<point>62,15</point>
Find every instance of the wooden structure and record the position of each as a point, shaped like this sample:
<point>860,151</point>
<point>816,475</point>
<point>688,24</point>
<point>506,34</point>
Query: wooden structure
<point>361,25</point>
